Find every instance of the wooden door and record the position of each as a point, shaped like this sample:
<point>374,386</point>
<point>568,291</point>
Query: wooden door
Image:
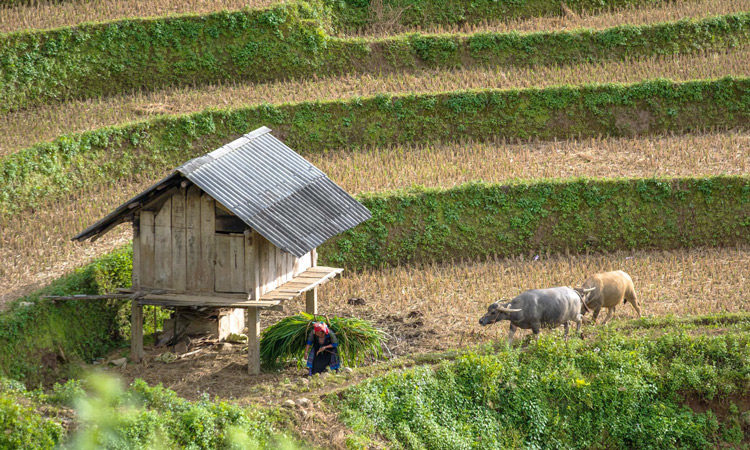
<point>229,270</point>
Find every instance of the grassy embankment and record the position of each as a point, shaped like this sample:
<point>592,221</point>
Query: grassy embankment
<point>290,41</point>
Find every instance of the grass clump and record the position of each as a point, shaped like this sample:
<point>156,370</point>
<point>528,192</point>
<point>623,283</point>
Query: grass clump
<point>611,392</point>
<point>286,339</point>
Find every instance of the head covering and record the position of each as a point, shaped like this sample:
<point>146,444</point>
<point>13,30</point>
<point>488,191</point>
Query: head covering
<point>321,326</point>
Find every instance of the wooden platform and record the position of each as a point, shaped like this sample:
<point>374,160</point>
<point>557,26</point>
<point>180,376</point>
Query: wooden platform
<point>305,281</point>
<point>200,300</point>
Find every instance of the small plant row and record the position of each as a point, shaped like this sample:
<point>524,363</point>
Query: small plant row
<point>614,391</point>
<point>352,15</point>
<point>48,171</point>
<point>475,221</point>
<point>292,41</point>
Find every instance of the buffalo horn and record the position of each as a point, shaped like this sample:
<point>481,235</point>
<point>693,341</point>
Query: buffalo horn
<point>506,309</point>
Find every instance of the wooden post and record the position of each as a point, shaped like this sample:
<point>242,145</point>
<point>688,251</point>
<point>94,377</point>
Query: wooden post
<point>136,331</point>
<point>253,340</point>
<point>311,296</point>
<point>311,301</point>
<point>252,264</point>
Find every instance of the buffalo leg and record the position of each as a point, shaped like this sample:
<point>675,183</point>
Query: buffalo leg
<point>511,332</point>
<point>634,301</point>
<point>567,327</point>
<point>610,313</point>
<point>535,328</point>
<point>595,316</point>
<point>579,319</point>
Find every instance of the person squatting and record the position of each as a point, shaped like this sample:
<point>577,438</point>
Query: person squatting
<point>322,349</point>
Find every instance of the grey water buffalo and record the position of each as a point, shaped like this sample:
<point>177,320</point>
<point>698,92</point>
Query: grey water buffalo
<point>538,308</point>
<point>607,290</point>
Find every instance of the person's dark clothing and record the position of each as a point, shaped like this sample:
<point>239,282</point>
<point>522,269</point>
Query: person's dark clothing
<point>318,363</point>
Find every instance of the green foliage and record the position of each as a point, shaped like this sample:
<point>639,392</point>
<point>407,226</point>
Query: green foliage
<point>613,392</point>
<point>37,340</point>
<point>77,162</point>
<point>20,425</point>
<point>111,417</point>
<point>582,215</point>
<point>292,40</point>
<point>286,339</point>
<point>154,417</point>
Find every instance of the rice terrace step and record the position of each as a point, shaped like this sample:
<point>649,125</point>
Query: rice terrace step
<point>294,215</point>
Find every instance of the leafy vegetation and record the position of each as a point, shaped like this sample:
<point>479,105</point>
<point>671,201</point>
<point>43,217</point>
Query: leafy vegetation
<point>291,41</point>
<point>469,221</point>
<point>286,339</point>
<point>21,426</point>
<point>51,170</point>
<point>108,416</point>
<point>611,392</point>
<point>38,337</point>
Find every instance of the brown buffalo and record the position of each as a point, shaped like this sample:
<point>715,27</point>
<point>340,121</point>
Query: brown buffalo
<point>607,290</point>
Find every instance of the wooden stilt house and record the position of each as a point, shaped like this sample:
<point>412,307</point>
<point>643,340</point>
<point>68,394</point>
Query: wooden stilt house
<point>235,228</point>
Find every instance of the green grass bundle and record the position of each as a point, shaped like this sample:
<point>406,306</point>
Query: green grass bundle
<point>287,338</point>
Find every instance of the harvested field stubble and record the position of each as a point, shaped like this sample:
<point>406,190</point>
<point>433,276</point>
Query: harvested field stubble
<point>45,14</point>
<point>148,148</point>
<point>52,14</point>
<point>21,129</point>
<point>434,307</point>
<point>33,255</point>
<point>632,15</point>
<point>449,164</point>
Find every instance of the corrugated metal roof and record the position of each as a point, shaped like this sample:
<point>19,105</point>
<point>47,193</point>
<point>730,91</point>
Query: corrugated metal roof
<point>275,191</point>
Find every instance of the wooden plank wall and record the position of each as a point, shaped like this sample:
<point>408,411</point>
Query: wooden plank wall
<point>179,249</point>
<point>277,266</point>
<point>176,243</point>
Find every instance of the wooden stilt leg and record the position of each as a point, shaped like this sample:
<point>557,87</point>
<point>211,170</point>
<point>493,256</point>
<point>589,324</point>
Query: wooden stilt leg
<point>253,341</point>
<point>311,301</point>
<point>136,331</point>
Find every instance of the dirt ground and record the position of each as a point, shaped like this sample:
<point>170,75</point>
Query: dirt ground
<point>434,308</point>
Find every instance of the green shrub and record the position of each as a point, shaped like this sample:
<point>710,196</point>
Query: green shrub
<point>613,392</point>
<point>21,427</point>
<point>358,14</point>
<point>50,171</point>
<point>145,417</point>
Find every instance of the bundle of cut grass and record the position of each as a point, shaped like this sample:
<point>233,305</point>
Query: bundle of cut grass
<point>358,339</point>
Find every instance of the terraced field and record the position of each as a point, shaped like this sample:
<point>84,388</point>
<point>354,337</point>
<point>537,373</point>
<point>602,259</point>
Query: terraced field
<point>513,149</point>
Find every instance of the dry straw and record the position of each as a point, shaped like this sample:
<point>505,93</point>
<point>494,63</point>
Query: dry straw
<point>634,15</point>
<point>433,307</point>
<point>24,128</point>
<point>41,14</point>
